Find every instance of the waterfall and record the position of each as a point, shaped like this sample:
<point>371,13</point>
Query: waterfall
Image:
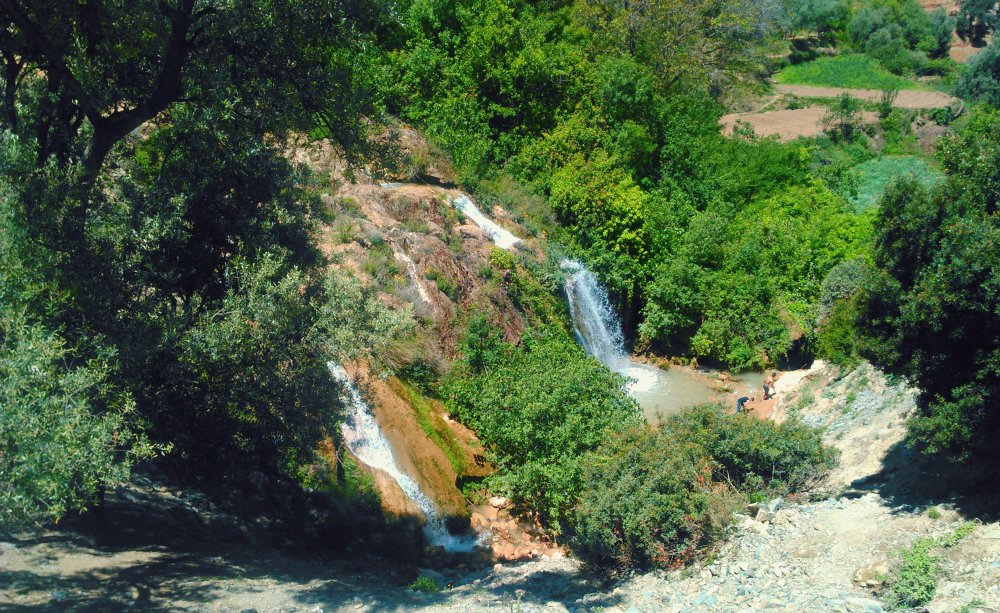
<point>498,234</point>
<point>598,328</point>
<point>365,440</point>
<point>411,270</point>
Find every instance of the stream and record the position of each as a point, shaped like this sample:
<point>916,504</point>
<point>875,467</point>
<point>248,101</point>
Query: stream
<point>597,328</point>
<point>365,440</point>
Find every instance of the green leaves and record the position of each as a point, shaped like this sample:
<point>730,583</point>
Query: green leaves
<point>930,309</point>
<point>538,407</point>
<point>654,498</point>
<point>64,428</point>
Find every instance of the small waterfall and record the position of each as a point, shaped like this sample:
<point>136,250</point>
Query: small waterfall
<point>498,234</point>
<point>411,269</point>
<point>598,328</point>
<point>365,440</point>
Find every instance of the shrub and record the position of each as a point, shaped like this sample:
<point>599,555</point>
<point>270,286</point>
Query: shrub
<point>655,498</point>
<point>844,119</point>
<point>538,407</point>
<point>759,457</point>
<point>648,501</point>
<point>423,583</point>
<point>915,580</point>
<point>981,79</point>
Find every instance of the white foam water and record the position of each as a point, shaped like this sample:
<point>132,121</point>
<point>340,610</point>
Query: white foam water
<point>411,270</point>
<point>498,234</point>
<point>598,329</point>
<point>366,441</point>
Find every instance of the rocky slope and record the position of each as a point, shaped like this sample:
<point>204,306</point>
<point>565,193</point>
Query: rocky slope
<point>828,552</point>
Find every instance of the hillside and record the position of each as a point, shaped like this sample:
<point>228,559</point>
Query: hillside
<point>824,551</point>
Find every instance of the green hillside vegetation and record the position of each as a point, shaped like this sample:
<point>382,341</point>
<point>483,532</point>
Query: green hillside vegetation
<point>855,71</point>
<point>163,297</point>
<point>897,36</point>
<point>874,176</point>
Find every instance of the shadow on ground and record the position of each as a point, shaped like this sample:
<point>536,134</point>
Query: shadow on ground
<point>911,482</point>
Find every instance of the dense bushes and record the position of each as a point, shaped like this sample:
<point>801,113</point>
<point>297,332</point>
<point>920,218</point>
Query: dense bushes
<point>605,112</point>
<point>929,311</point>
<point>981,79</point>
<point>539,408</point>
<point>568,444</point>
<point>158,272</point>
<point>654,497</point>
<point>899,34</point>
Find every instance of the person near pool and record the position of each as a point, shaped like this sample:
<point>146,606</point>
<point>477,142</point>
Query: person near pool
<point>769,386</point>
<point>741,403</point>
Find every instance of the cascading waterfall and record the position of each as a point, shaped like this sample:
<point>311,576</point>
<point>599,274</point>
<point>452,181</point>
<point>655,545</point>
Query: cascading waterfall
<point>598,328</point>
<point>498,234</point>
<point>365,440</point>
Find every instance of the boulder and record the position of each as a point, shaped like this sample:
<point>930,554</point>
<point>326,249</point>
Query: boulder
<point>873,575</point>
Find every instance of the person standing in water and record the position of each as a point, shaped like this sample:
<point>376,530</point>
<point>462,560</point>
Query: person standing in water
<point>769,386</point>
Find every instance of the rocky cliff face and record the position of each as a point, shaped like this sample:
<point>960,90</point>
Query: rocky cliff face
<point>408,240</point>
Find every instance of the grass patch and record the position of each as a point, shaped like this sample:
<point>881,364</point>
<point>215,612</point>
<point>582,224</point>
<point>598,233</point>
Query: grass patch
<point>872,177</point>
<point>914,581</point>
<point>856,71</point>
<point>425,584</point>
<point>439,433</point>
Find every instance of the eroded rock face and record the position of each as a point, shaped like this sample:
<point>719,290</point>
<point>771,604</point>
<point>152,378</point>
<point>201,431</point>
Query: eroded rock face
<point>409,241</point>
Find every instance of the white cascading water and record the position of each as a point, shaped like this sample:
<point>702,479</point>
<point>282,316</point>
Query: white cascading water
<point>498,234</point>
<point>365,440</point>
<point>411,270</point>
<point>599,330</point>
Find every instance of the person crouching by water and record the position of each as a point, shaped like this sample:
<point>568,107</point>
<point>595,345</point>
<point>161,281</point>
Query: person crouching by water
<point>741,403</point>
<point>769,386</point>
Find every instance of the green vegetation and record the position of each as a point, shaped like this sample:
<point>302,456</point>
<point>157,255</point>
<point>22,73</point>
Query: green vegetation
<point>913,581</point>
<point>874,176</point>
<point>977,19</point>
<point>897,36</point>
<point>163,292</point>
<point>923,312</point>
<point>981,79</point>
<point>852,70</point>
<point>425,584</point>
<point>658,497</point>
<point>539,408</point>
<point>438,432</point>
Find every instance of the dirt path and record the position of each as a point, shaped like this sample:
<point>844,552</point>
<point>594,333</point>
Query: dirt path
<point>906,99</point>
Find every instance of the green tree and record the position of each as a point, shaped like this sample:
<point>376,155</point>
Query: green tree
<point>705,42</point>
<point>977,19</point>
<point>538,408</point>
<point>930,307</point>
<point>981,78</point>
<point>844,119</point>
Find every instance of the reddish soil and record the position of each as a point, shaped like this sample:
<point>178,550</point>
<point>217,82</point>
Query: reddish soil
<point>787,124</point>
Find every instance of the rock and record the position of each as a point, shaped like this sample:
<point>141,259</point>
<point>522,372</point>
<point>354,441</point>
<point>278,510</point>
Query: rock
<point>471,231</point>
<point>498,502</point>
<point>433,575</point>
<point>479,521</point>
<point>762,515</point>
<point>873,575</point>
<point>774,505</point>
<point>863,605</point>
